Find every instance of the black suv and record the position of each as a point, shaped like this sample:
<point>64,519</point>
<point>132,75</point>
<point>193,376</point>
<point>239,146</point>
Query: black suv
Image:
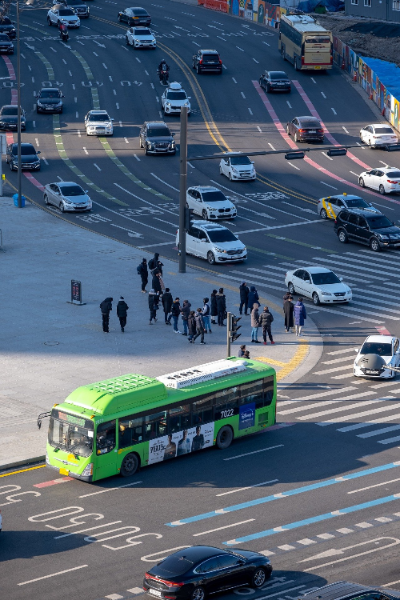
<point>344,590</point>
<point>156,138</point>
<point>7,26</point>
<point>79,7</point>
<point>374,229</point>
<point>207,60</point>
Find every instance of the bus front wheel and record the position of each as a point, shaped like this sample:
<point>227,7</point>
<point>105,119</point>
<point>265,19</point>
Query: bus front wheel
<point>224,437</point>
<point>130,465</point>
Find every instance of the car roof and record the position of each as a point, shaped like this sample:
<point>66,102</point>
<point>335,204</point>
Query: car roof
<point>200,553</point>
<point>204,188</point>
<point>144,27</point>
<point>138,8</point>
<point>386,169</point>
<point>208,50</point>
<point>315,269</point>
<point>338,590</point>
<point>156,124</point>
<point>343,196</point>
<point>380,338</point>
<point>8,106</point>
<point>174,85</point>
<point>308,117</point>
<point>276,72</point>
<point>24,144</point>
<point>98,112</point>
<point>209,226</point>
<point>379,125</point>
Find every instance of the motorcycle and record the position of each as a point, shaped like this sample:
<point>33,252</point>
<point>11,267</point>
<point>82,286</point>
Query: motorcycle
<point>64,36</point>
<point>163,74</point>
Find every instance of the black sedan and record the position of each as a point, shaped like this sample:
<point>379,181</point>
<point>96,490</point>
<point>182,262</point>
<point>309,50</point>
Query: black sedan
<point>7,26</point>
<point>134,16</point>
<point>6,45</point>
<point>29,157</point>
<point>193,573</point>
<point>49,101</point>
<point>275,81</point>
<point>9,118</point>
<point>305,129</point>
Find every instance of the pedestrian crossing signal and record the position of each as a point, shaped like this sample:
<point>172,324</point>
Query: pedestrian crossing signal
<point>234,328</point>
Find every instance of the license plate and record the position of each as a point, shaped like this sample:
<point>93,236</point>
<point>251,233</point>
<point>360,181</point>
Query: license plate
<point>369,372</point>
<point>63,471</point>
<point>312,131</point>
<point>155,593</point>
<point>317,67</point>
<point>100,130</point>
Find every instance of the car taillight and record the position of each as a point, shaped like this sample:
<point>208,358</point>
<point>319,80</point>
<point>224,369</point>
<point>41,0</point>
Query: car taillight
<point>320,131</point>
<point>302,130</point>
<point>164,581</point>
<point>201,61</point>
<point>220,61</point>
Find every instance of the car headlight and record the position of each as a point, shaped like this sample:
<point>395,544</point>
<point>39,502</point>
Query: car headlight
<point>383,237</point>
<point>168,104</point>
<point>326,294</point>
<point>234,170</point>
<point>221,250</point>
<point>135,40</point>
<point>172,143</point>
<point>150,145</point>
<point>88,470</point>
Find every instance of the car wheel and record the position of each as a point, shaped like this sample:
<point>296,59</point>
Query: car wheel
<point>193,66</point>
<point>221,171</point>
<point>211,258</point>
<point>323,214</point>
<point>295,137</point>
<point>198,593</point>
<point>374,245</point>
<point>49,23</point>
<point>130,465</point>
<point>46,199</point>
<point>61,207</point>
<point>261,84</point>
<point>361,182</point>
<point>140,143</point>
<point>291,289</point>
<point>204,215</point>
<point>224,437</point>
<point>342,235</point>
<point>316,299</point>
<point>259,578</point>
<point>382,190</point>
<point>230,176</point>
<point>287,129</point>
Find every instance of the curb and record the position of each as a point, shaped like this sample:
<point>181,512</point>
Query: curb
<point>22,463</point>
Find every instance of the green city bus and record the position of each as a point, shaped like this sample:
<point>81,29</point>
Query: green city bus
<point>304,43</point>
<point>118,425</point>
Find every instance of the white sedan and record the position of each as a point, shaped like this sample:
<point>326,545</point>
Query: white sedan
<point>238,167</point>
<point>210,203</point>
<point>140,37</point>
<point>377,135</point>
<point>383,179</point>
<point>385,346</point>
<point>318,283</point>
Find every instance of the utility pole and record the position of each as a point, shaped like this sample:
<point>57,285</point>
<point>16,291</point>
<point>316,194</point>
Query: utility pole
<point>182,190</point>
<point>228,334</point>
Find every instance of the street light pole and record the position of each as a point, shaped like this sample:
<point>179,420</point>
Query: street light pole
<point>182,190</point>
<point>19,171</point>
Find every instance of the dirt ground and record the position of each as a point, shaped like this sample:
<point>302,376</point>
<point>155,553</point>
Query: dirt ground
<point>365,44</point>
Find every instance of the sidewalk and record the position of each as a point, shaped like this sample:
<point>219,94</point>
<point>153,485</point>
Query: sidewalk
<point>49,347</point>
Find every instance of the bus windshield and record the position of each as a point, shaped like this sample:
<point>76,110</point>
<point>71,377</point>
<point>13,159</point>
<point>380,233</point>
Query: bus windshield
<point>70,433</point>
<point>318,39</point>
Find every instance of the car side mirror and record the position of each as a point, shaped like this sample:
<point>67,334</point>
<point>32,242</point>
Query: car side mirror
<point>252,162</point>
<point>38,152</point>
<point>86,191</point>
<point>203,240</point>
<point>173,134</point>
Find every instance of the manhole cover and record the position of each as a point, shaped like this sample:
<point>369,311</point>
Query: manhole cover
<point>126,257</point>
<point>105,251</point>
<point>51,343</point>
<point>62,253</point>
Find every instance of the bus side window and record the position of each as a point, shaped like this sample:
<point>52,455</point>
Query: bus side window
<point>155,425</point>
<point>202,411</point>
<point>226,400</point>
<point>130,431</point>
<point>252,392</point>
<point>105,437</point>
<point>179,418</point>
<point>268,390</point>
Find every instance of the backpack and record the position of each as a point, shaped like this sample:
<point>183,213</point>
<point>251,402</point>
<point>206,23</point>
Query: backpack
<point>152,264</point>
<point>139,269</point>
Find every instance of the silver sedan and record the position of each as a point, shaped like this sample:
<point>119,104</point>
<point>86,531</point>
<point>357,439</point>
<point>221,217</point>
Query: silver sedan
<point>67,196</point>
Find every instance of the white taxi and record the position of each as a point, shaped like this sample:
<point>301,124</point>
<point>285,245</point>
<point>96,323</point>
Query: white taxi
<point>214,242</point>
<point>210,203</point>
<point>140,37</point>
<point>379,134</point>
<point>385,346</point>
<point>238,167</point>
<point>174,98</point>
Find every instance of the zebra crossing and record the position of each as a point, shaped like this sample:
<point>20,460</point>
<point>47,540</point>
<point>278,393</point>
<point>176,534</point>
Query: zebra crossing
<point>372,278</point>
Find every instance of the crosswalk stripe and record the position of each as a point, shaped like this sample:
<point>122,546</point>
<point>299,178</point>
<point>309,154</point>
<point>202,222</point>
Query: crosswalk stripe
<point>378,431</point>
<point>374,257</point>
<point>368,293</point>
<point>389,440</point>
<point>336,360</point>
<point>333,370</point>
<point>343,351</point>
<point>346,268</point>
<point>361,264</point>
<point>385,419</point>
<point>308,407</point>
<point>363,311</point>
<point>362,414</point>
<point>346,376</point>
<point>322,413</point>
<point>323,394</point>
<point>385,384</point>
<point>270,287</point>
<point>358,302</point>
<point>273,267</point>
<point>389,283</point>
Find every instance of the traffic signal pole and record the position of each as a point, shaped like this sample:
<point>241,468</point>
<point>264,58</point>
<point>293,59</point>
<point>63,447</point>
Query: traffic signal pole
<point>182,190</point>
<point>228,334</point>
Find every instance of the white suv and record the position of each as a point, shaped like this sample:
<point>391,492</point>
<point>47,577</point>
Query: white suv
<point>97,122</point>
<point>174,98</point>
<point>140,37</point>
<point>214,242</point>
<point>237,167</point>
<point>62,14</point>
<point>210,203</point>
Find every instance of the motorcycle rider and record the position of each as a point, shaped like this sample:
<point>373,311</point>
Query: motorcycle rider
<point>64,32</point>
<point>163,71</point>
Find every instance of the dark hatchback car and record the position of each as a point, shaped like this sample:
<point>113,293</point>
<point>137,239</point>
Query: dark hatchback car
<point>79,7</point>
<point>8,27</point>
<point>305,129</point>
<point>134,16</point>
<point>156,138</point>
<point>29,157</point>
<point>373,230</point>
<point>6,45</point>
<point>199,571</point>
<point>275,81</point>
<point>344,590</point>
<point>207,61</point>
<point>49,101</point>
<point>9,118</point>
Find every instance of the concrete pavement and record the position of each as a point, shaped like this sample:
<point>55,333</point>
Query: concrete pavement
<point>49,346</point>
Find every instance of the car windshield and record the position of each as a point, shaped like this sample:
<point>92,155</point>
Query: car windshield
<point>49,94</point>
<point>376,348</point>
<point>142,32</point>
<point>325,278</point>
<point>278,75</point>
<point>4,37</point>
<point>216,196</point>
<point>240,160</point>
<point>384,130</point>
<point>174,565</point>
<point>72,190</point>
<point>9,110</point>
<point>159,132</point>
<point>210,58</point>
<point>70,433</point>
<point>5,21</point>
<point>379,222</point>
<point>310,123</point>
<point>139,11</point>
<point>99,117</point>
<point>357,203</point>
<point>221,235</point>
<point>25,150</point>
<point>393,174</point>
<point>176,95</point>
<point>66,12</point>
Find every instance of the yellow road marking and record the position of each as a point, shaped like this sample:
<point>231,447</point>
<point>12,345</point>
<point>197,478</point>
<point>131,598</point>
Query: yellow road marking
<point>300,355</point>
<point>22,471</point>
<point>271,361</point>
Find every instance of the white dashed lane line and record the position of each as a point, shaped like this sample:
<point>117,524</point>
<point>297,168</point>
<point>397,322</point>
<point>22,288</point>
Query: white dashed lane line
<point>234,80</point>
<point>243,96</point>
<point>250,111</point>
<point>344,129</point>
<point>334,111</point>
<point>294,166</point>
<point>323,95</point>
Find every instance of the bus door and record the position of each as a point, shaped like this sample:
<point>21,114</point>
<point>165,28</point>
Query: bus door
<point>106,451</point>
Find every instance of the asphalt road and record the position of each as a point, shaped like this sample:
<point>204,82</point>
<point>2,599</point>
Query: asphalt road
<point>136,201</point>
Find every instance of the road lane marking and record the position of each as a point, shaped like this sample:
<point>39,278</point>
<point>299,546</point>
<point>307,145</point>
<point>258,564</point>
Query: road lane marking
<point>22,471</point>
<point>53,574</point>
<point>224,527</point>
<point>110,489</point>
<point>254,452</point>
<point>248,487</point>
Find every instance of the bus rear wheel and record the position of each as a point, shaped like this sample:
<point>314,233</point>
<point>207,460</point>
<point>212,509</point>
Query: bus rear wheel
<point>224,437</point>
<point>130,465</point>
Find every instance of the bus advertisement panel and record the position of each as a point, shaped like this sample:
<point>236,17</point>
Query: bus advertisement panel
<point>305,44</point>
<point>115,426</point>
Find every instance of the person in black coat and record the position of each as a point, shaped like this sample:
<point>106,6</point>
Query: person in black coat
<point>191,325</point>
<point>244,297</point>
<point>221,306</point>
<point>153,304</point>
<point>122,309</point>
<point>156,283</point>
<point>253,297</point>
<point>288,310</point>
<point>144,274</point>
<point>106,308</point>
<point>214,308</point>
<point>155,265</point>
<point>166,300</point>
